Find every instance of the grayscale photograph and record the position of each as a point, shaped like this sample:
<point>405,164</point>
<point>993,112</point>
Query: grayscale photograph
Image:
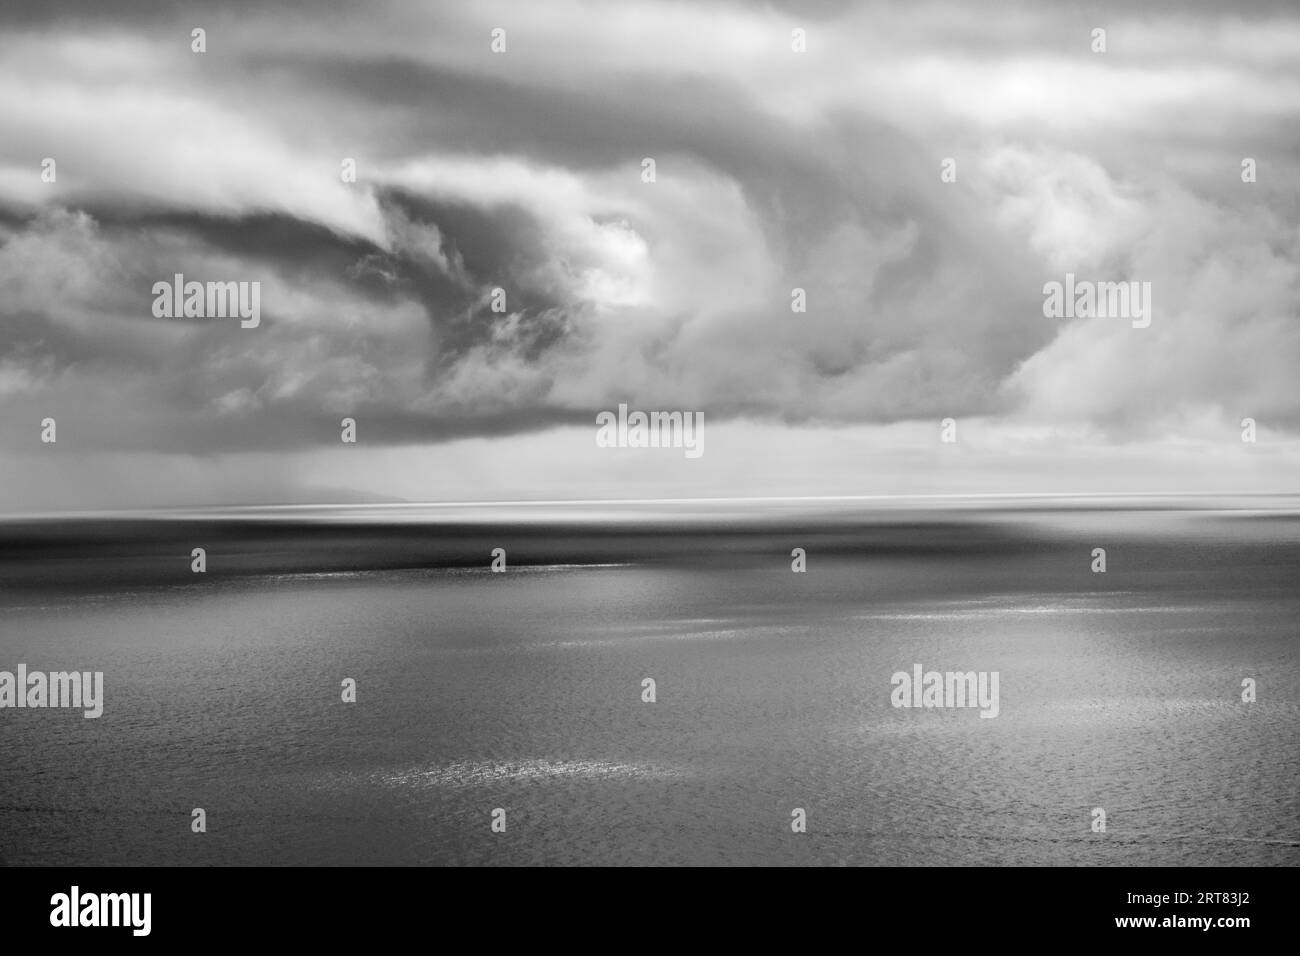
<point>649,434</point>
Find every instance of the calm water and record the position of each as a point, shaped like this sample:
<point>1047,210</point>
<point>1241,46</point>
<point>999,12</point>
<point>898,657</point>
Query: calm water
<point>523,691</point>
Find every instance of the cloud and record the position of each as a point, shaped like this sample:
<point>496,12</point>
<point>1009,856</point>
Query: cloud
<point>522,172</point>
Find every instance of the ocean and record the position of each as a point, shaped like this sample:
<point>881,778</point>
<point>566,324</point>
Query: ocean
<point>522,691</point>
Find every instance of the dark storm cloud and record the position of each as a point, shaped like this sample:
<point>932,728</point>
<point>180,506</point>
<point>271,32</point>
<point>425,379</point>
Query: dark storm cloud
<point>80,354</point>
<point>522,172</point>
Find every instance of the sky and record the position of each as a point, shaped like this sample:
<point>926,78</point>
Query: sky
<point>522,170</point>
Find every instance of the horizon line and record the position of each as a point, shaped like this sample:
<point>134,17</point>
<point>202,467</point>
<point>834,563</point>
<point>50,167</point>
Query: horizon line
<point>506,503</point>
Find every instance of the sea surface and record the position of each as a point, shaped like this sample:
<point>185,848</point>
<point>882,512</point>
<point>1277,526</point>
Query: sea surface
<point>522,690</point>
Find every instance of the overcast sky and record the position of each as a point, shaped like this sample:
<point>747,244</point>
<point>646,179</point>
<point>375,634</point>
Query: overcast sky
<point>523,170</point>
